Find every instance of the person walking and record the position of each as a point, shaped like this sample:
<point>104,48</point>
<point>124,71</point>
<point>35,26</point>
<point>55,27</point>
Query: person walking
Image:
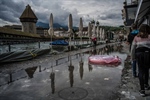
<point>140,51</point>
<point>131,36</point>
<point>94,40</point>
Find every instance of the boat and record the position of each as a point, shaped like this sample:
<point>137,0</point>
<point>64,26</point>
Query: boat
<point>17,56</point>
<point>104,60</point>
<point>59,42</point>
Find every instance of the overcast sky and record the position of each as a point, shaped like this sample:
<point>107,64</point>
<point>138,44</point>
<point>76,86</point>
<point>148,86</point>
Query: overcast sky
<point>107,12</point>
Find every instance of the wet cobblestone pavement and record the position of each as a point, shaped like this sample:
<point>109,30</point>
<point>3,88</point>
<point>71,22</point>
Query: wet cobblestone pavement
<point>40,79</point>
<point>129,87</point>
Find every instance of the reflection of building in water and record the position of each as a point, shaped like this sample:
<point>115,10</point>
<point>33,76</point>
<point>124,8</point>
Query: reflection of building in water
<point>98,51</point>
<point>107,49</point>
<point>103,51</point>
<point>94,52</point>
<point>90,52</point>
<point>52,77</point>
<point>117,47</point>
<point>120,47</point>
<point>90,67</point>
<point>112,48</point>
<point>30,71</point>
<point>71,68</point>
<point>81,70</point>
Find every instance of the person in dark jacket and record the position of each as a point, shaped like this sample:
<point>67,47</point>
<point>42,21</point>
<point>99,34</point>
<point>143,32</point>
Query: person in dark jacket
<point>94,40</point>
<point>131,36</point>
<point>140,50</point>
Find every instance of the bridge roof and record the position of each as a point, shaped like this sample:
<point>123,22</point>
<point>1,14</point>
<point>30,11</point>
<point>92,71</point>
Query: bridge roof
<point>14,32</point>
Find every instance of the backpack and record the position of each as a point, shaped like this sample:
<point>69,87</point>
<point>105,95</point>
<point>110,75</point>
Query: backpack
<point>132,35</point>
<point>143,56</point>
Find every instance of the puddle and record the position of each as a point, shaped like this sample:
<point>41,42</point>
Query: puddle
<point>53,78</point>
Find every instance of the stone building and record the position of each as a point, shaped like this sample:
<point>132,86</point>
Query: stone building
<point>28,20</point>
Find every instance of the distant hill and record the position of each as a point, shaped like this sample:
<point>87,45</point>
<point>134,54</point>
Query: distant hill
<point>55,25</point>
<point>46,25</point>
<point>41,24</point>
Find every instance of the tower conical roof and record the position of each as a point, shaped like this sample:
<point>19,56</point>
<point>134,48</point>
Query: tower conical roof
<point>28,13</point>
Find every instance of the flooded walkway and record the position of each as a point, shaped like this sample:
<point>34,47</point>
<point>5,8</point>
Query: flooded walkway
<point>52,78</point>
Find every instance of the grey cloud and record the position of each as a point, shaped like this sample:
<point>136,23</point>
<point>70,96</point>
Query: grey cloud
<point>109,16</point>
<point>9,10</point>
<point>7,16</point>
<point>59,14</point>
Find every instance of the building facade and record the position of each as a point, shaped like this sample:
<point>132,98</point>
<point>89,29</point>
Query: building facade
<point>136,11</point>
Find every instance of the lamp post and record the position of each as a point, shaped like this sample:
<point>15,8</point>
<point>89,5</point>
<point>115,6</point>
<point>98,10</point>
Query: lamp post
<point>97,30</point>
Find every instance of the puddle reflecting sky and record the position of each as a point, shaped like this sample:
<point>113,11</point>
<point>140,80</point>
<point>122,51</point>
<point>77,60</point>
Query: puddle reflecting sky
<point>45,78</point>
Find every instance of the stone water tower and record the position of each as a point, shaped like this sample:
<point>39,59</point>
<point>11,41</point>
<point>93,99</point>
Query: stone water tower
<point>28,20</point>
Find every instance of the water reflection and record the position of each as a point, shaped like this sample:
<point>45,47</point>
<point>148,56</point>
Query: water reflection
<point>94,51</point>
<point>108,49</point>
<point>10,78</point>
<point>40,68</point>
<point>70,59</point>
<point>90,67</point>
<point>81,70</point>
<point>30,71</point>
<point>52,77</point>
<point>71,69</point>
<point>16,74</point>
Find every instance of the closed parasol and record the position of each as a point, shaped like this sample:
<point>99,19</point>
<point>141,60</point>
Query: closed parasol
<point>70,24</point>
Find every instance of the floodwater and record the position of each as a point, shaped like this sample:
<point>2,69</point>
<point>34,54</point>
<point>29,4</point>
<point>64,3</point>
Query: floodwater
<point>57,77</point>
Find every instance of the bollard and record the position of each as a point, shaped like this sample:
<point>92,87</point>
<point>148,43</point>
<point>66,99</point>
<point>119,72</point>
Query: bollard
<point>40,68</point>
<point>9,47</point>
<point>39,45</point>
<point>56,62</point>
<point>10,78</point>
<point>68,58</point>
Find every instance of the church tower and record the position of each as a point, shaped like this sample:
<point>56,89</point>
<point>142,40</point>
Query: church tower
<point>28,20</point>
